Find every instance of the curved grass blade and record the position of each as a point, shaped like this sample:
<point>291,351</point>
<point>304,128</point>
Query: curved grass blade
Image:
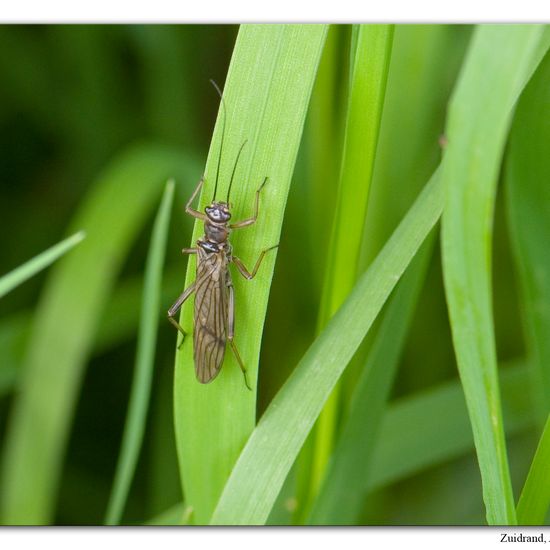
<point>528,204</point>
<point>273,446</point>
<point>370,62</point>
<point>65,325</point>
<point>145,356</point>
<point>404,450</point>
<point>499,62</point>
<point>266,95</point>
<point>340,499</point>
<point>535,498</point>
<point>19,275</point>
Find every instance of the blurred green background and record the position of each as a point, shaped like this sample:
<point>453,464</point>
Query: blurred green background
<point>74,99</point>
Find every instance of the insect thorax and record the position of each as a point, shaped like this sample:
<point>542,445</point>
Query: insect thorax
<point>216,233</point>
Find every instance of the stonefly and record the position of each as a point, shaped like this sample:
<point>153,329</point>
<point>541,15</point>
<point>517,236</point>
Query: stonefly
<point>214,312</point>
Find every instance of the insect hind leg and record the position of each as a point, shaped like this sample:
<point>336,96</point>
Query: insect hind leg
<point>231,334</point>
<point>241,364</point>
<point>176,307</point>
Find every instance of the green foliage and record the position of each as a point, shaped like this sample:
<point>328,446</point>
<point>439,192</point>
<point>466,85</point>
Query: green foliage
<point>528,202</point>
<point>535,498</point>
<point>19,275</point>
<point>266,95</point>
<point>145,356</point>
<point>273,446</point>
<point>499,63</point>
<point>363,294</point>
<point>371,53</point>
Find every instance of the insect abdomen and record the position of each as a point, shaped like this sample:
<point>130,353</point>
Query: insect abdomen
<point>210,335</point>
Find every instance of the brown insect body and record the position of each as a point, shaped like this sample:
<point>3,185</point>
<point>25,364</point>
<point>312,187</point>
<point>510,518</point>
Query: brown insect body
<point>214,314</point>
<point>213,280</point>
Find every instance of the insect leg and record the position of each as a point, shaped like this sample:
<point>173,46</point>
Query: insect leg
<point>252,220</point>
<point>242,268</point>
<point>231,333</point>
<point>189,250</point>
<point>175,308</point>
<point>188,208</point>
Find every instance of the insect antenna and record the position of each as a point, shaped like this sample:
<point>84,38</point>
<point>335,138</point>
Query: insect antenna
<point>235,169</point>
<point>223,135</point>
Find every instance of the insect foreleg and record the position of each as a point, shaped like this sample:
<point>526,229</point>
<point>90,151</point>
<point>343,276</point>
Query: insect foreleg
<point>176,307</point>
<point>189,250</point>
<point>252,220</point>
<point>188,208</point>
<point>242,268</point>
<point>231,333</point>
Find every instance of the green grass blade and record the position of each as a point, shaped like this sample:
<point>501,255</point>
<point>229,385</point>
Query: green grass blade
<point>535,498</point>
<point>528,203</point>
<point>179,514</point>
<point>339,501</point>
<point>499,62</point>
<point>118,324</point>
<point>145,357</point>
<point>19,275</point>
<point>273,446</point>
<point>366,99</point>
<point>432,427</point>
<point>64,329</point>
<point>266,95</point>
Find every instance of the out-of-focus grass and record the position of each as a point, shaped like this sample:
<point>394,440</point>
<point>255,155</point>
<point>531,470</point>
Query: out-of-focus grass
<point>64,329</point>
<point>78,95</point>
<point>500,61</point>
<point>145,356</point>
<point>528,202</point>
<point>371,52</point>
<point>535,498</point>
<point>14,278</point>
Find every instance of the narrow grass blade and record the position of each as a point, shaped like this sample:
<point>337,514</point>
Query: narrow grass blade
<point>118,324</point>
<point>273,446</point>
<point>369,73</point>
<point>64,329</point>
<point>528,203</point>
<point>432,427</point>
<point>340,499</point>
<point>19,275</point>
<point>145,357</point>
<point>535,498</point>
<point>266,96</point>
<point>500,60</point>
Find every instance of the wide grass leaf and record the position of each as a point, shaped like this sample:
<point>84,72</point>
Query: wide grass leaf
<point>498,64</point>
<point>273,446</point>
<point>145,357</point>
<point>266,96</point>
<point>65,325</point>
<point>14,278</point>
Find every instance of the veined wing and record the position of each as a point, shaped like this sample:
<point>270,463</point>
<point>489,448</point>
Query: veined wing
<point>211,304</point>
